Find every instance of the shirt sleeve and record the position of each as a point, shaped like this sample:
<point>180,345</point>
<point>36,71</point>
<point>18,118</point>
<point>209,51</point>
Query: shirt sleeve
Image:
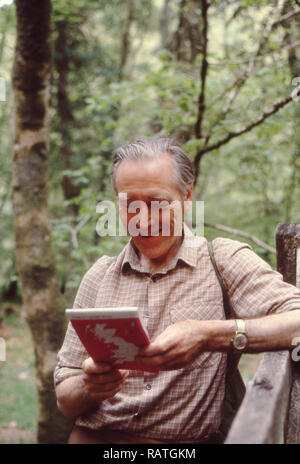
<point>72,353</point>
<point>253,287</point>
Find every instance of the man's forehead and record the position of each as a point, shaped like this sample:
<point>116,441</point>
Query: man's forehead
<point>150,194</point>
<point>147,178</point>
<point>152,165</point>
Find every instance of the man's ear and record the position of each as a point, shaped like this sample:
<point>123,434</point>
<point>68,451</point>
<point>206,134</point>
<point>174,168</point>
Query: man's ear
<point>188,200</point>
<point>190,193</point>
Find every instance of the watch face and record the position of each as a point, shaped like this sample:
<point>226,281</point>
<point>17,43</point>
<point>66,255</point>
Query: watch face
<point>240,341</point>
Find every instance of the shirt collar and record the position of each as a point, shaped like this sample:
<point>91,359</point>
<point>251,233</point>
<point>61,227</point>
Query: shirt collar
<point>187,253</point>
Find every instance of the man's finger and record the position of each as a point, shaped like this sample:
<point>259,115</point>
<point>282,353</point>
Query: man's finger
<point>157,360</point>
<point>98,388</point>
<point>179,361</point>
<point>104,378</point>
<point>91,367</point>
<point>158,347</point>
<point>153,361</point>
<point>104,395</point>
<point>167,361</point>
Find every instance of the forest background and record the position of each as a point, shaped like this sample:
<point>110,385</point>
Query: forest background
<point>219,76</point>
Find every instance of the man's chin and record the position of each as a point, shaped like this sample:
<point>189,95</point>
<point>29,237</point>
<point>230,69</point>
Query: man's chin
<point>152,247</point>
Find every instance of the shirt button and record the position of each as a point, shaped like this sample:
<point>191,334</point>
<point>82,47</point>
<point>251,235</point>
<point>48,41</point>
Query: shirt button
<point>148,386</point>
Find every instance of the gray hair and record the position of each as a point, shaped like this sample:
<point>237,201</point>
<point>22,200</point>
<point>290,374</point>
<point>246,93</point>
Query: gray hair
<point>155,147</point>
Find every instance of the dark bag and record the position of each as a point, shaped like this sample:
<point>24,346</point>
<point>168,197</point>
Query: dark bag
<point>235,387</point>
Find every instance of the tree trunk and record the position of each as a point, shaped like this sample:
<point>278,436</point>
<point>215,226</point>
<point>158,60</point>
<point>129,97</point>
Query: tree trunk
<point>187,40</point>
<point>125,46</point>
<point>64,109</point>
<point>64,112</point>
<point>164,24</point>
<point>34,257</point>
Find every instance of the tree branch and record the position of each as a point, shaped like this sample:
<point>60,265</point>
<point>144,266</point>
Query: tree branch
<point>258,58</point>
<point>232,135</point>
<point>241,233</point>
<point>242,78</point>
<point>286,17</point>
<point>235,14</point>
<point>74,230</point>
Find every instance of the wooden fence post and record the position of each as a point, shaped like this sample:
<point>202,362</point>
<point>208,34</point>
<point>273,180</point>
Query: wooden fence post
<point>288,264</point>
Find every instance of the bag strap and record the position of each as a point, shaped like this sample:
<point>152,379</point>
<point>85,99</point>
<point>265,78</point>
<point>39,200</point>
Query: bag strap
<point>227,307</point>
<point>233,357</point>
<point>235,387</point>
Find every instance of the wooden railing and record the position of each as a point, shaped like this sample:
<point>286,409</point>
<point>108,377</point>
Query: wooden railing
<point>270,412</point>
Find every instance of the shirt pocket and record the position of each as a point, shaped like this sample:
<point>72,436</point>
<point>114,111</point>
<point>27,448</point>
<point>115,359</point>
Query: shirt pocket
<point>207,358</point>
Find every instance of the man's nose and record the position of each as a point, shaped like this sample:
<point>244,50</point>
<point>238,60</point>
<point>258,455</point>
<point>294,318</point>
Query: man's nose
<point>144,219</point>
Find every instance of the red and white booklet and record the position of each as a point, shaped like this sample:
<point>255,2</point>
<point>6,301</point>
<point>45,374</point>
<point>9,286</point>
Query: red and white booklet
<point>112,335</point>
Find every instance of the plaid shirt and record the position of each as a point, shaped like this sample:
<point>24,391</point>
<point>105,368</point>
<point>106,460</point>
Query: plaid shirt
<point>184,404</point>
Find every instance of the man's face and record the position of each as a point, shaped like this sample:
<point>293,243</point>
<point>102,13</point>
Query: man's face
<point>142,186</point>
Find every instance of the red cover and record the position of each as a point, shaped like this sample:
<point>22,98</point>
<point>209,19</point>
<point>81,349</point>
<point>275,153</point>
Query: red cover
<point>108,336</point>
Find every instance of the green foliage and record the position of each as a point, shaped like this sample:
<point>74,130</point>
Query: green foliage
<point>246,184</point>
<point>18,395</point>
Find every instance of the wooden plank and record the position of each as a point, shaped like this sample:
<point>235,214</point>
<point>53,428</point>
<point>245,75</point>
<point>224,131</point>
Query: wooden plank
<point>298,268</point>
<point>263,411</point>
<point>292,429</point>
<point>288,263</point>
<point>287,244</point>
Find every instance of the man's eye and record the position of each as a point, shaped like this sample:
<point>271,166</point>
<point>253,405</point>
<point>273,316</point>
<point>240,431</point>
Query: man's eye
<point>134,206</point>
<point>160,205</point>
<point>154,205</point>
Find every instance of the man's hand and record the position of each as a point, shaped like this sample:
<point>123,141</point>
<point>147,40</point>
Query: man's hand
<point>101,380</point>
<point>177,346</point>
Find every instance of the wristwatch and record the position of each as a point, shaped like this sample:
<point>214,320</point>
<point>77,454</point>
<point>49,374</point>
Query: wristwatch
<point>239,341</point>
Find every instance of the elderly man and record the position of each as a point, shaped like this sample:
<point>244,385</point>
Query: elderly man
<point>171,279</point>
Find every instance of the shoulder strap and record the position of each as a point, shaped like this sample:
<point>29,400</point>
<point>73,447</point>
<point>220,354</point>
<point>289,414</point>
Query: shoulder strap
<point>227,307</point>
<point>235,387</point>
